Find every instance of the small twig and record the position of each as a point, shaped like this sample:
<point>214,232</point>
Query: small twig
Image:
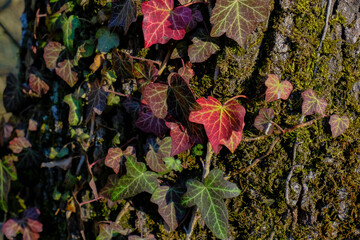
<point>328,10</point>
<point>146,60</point>
<point>164,63</point>
<point>238,96</point>
<point>256,161</point>
<point>96,162</point>
<point>92,127</point>
<point>287,184</point>
<point>208,157</point>
<point>125,209</point>
<point>277,125</point>
<point>116,93</point>
<point>305,124</point>
<point>90,201</point>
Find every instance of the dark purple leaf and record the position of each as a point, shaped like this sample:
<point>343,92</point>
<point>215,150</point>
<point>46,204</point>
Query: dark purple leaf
<point>123,14</point>
<point>147,122</point>
<point>96,100</point>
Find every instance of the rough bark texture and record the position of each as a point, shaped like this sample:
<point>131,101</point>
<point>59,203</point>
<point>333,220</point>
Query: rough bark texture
<point>308,187</point>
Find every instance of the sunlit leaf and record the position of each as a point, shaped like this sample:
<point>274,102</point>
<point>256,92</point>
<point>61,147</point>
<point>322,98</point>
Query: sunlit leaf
<point>123,14</point>
<point>276,89</point>
<point>238,18</point>
<point>75,109</point>
<point>136,180</point>
<point>98,61</point>
<point>170,209</point>
<point>338,125</point>
<point>38,85</point>
<point>69,25</point>
<point>161,23</point>
<point>106,40</point>
<point>263,120</point>
<point>96,100</point>
<point>220,121</point>
<point>208,197</point>
<point>172,164</point>
<point>233,142</point>
<point>155,94</point>
<point>18,144</point>
<point>202,48</point>
<point>51,54</point>
<point>33,125</point>
<point>312,104</point>
<point>64,70</point>
<point>147,122</point>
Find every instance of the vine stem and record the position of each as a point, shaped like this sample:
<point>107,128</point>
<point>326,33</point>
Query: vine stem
<point>238,96</point>
<point>90,201</point>
<point>116,93</point>
<point>206,169</point>
<point>146,60</point>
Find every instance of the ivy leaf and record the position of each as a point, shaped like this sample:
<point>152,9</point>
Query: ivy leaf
<point>97,100</point>
<point>202,48</point>
<point>277,89</point>
<point>98,61</point>
<point>136,180</point>
<point>145,70</point>
<point>123,64</point>
<point>312,104</point>
<point>123,14</point>
<point>233,142</point>
<point>219,120</point>
<point>106,40</point>
<point>180,50</point>
<point>147,122</point>
<point>155,95</point>
<point>115,157</point>
<point>10,228</point>
<point>170,209</point>
<point>69,26</point>
<point>33,125</point>
<point>107,190</point>
<point>180,136</point>
<point>263,120</point>
<point>75,112</point>
<point>161,22</point>
<point>154,161</point>
<point>186,73</point>
<point>64,70</point>
<point>7,173</point>
<point>108,231</point>
<point>208,197</point>
<point>18,144</point>
<point>172,164</point>
<point>51,54</point>
<point>338,125</point>
<point>237,18</point>
<point>181,100</point>
<point>13,96</point>
<point>38,85</point>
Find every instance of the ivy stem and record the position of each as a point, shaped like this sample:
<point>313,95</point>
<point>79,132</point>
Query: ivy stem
<point>116,93</point>
<point>90,201</point>
<point>238,96</point>
<point>164,63</point>
<point>97,161</point>
<point>146,60</point>
<point>280,128</point>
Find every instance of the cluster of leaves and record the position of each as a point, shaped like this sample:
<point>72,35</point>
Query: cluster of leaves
<point>312,104</point>
<point>108,86</point>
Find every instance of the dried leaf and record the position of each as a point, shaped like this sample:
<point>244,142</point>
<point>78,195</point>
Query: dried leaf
<point>98,61</point>
<point>18,144</point>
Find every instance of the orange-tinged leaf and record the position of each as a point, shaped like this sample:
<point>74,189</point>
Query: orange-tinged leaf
<point>338,125</point>
<point>38,85</point>
<point>277,89</point>
<point>32,125</point>
<point>64,70</point>
<point>98,60</point>
<point>51,54</point>
<point>18,144</point>
<point>220,121</point>
<point>312,104</point>
<point>161,23</point>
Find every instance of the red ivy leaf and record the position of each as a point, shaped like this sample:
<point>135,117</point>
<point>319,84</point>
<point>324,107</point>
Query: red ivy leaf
<point>114,158</point>
<point>28,234</point>
<point>277,89</point>
<point>18,144</point>
<point>233,142</point>
<point>186,73</point>
<point>10,228</point>
<point>180,136</point>
<point>64,70</point>
<point>51,54</point>
<point>161,22</point>
<point>123,14</point>
<point>338,125</point>
<point>237,18</point>
<point>34,225</point>
<point>220,121</point>
<point>155,95</point>
<point>38,85</point>
<point>312,104</point>
<point>147,122</point>
<point>263,120</point>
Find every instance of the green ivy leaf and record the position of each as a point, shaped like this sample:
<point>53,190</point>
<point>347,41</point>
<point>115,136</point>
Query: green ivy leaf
<point>75,113</point>
<point>202,48</point>
<point>64,70</point>
<point>172,164</point>
<point>106,40</point>
<point>7,173</point>
<point>69,26</point>
<point>237,18</point>
<point>136,180</point>
<point>208,197</point>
